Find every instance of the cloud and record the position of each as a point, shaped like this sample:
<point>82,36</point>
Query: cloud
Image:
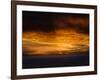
<point>48,22</point>
<point>63,42</point>
<point>80,24</point>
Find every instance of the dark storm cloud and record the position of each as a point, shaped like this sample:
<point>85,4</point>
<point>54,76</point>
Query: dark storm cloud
<point>46,21</point>
<point>79,23</point>
<point>37,21</point>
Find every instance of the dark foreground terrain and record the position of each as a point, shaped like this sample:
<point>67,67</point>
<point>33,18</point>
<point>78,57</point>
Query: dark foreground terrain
<point>65,60</point>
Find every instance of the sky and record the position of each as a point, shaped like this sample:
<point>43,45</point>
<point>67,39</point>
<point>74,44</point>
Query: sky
<point>49,22</point>
<point>50,33</point>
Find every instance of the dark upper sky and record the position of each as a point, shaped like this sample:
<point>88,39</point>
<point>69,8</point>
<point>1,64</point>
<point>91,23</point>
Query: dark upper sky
<point>47,21</point>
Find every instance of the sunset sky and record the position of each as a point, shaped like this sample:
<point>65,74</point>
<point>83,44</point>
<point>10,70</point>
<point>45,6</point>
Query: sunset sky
<point>46,33</point>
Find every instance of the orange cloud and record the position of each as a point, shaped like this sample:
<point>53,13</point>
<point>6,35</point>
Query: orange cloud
<point>61,42</point>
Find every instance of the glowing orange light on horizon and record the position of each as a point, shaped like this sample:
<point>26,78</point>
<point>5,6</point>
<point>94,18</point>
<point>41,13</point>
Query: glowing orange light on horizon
<point>57,42</point>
